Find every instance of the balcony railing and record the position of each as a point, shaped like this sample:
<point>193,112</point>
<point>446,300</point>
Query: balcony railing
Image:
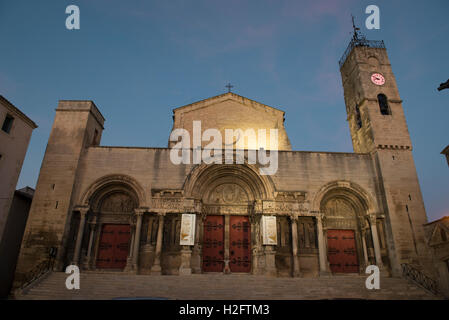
<point>360,42</point>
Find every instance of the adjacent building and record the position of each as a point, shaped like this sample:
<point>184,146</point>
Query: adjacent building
<point>438,240</point>
<point>15,133</point>
<point>12,237</point>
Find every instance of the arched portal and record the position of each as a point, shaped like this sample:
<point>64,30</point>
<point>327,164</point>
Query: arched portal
<point>228,232</point>
<point>114,214</point>
<point>345,210</point>
<point>108,223</point>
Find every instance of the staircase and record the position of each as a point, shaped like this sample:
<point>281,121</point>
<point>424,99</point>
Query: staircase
<point>218,286</point>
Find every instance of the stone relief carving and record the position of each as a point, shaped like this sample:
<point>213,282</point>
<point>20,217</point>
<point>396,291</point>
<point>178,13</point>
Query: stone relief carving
<point>289,196</point>
<point>221,209</point>
<point>280,206</point>
<point>339,208</point>
<point>118,203</point>
<point>228,194</point>
<point>176,204</point>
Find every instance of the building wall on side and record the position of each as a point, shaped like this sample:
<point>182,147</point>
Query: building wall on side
<point>437,237</point>
<point>13,147</point>
<point>10,245</point>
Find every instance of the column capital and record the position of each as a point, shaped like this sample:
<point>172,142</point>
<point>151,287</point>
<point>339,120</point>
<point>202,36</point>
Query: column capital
<point>293,217</point>
<point>257,207</point>
<point>372,218</point>
<point>320,217</point>
<point>83,210</point>
<point>140,211</point>
<point>254,218</point>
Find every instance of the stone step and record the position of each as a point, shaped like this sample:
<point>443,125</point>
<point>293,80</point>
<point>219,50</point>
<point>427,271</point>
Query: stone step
<point>96,285</point>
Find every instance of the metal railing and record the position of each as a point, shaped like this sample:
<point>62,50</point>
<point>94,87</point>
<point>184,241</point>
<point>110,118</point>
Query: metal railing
<point>40,269</point>
<point>360,42</point>
<point>419,278</point>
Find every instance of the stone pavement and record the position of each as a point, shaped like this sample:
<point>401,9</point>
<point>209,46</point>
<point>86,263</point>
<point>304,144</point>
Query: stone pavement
<point>219,286</point>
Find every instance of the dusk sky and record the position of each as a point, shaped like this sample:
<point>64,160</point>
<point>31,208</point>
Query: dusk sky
<point>137,60</point>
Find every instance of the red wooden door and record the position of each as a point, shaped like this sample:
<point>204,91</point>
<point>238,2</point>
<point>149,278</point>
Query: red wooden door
<point>240,244</point>
<point>114,244</point>
<point>213,244</point>
<point>342,252</point>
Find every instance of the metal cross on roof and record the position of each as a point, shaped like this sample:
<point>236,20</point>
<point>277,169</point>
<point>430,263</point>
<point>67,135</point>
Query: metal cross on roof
<point>229,86</point>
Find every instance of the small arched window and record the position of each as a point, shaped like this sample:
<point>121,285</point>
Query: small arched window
<point>383,104</point>
<point>358,118</point>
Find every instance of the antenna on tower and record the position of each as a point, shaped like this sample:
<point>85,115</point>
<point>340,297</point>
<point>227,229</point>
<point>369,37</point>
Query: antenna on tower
<point>357,36</point>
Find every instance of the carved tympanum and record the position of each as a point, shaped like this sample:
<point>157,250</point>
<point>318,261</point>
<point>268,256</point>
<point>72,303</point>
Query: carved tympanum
<point>119,203</point>
<point>339,208</point>
<point>228,194</point>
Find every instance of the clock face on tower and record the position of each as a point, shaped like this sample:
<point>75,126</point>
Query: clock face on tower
<point>378,79</point>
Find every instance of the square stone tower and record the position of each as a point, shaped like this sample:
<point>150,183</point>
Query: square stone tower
<point>378,126</point>
<point>77,125</point>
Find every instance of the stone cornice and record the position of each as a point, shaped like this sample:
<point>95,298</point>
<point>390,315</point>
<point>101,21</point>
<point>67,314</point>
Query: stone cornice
<point>393,147</point>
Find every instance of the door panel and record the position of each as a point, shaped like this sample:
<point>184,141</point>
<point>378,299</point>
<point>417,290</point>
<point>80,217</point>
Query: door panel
<point>114,246</point>
<point>213,244</point>
<point>342,251</point>
<point>239,244</point>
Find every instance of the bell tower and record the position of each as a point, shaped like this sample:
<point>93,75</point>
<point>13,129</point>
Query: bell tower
<point>378,127</point>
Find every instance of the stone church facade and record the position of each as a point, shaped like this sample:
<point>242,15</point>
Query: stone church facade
<point>120,208</point>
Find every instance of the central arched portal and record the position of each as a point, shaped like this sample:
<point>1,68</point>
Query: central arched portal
<point>227,230</point>
<point>227,234</point>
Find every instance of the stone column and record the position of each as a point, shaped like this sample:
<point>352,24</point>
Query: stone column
<point>92,225</point>
<point>294,224</point>
<point>324,269</point>
<point>377,253</point>
<point>139,215</point>
<point>255,239</point>
<point>156,268</point>
<point>129,260</point>
<point>79,238</point>
<point>365,251</point>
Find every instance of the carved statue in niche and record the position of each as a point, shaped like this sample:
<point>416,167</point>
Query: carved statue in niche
<point>312,234</point>
<point>338,207</point>
<point>306,233</point>
<point>228,194</point>
<point>118,203</point>
<point>301,233</point>
<point>283,235</point>
<point>172,226</point>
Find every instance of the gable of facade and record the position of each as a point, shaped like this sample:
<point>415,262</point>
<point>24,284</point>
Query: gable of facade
<point>232,111</point>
